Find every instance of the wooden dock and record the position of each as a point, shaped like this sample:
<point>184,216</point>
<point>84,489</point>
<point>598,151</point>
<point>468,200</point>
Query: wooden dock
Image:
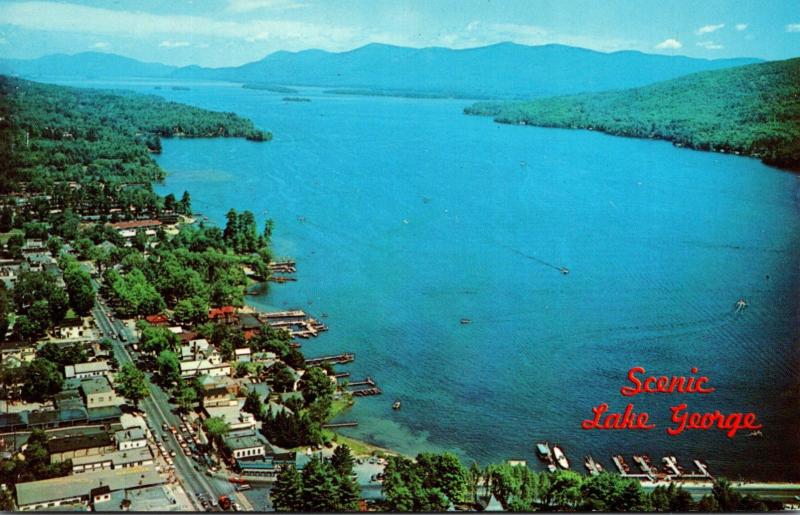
<point>342,375</point>
<point>345,357</point>
<point>335,425</point>
<point>284,267</point>
<point>366,392</point>
<point>297,313</point>
<point>366,382</point>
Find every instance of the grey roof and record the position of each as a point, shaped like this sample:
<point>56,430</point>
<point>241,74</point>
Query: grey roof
<point>130,435</point>
<point>79,485</point>
<point>116,457</point>
<point>94,385</point>
<point>244,441</point>
<point>84,441</point>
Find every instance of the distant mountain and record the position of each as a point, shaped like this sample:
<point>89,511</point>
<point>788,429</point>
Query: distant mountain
<point>497,71</point>
<point>86,65</point>
<point>752,110</point>
<point>505,70</point>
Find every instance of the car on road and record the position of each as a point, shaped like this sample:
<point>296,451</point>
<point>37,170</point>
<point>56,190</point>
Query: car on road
<point>164,426</point>
<point>243,487</point>
<point>173,453</point>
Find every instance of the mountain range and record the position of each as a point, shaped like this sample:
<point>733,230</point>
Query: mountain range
<point>505,70</point>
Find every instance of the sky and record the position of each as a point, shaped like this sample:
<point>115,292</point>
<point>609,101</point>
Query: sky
<point>233,32</point>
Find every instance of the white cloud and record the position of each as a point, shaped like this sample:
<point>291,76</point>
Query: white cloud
<point>710,45</point>
<point>173,44</point>
<point>244,6</point>
<point>741,26</point>
<point>100,45</point>
<point>669,44</point>
<point>793,27</point>
<point>65,17</point>
<point>708,29</point>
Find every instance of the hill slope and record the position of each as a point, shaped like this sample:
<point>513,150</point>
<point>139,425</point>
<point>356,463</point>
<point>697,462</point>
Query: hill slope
<point>89,65</point>
<point>752,110</point>
<point>505,70</point>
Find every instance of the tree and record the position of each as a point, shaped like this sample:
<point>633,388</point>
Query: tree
<point>5,307</point>
<point>186,397</point>
<point>79,287</point>
<point>217,428</point>
<point>445,473</point>
<point>287,492</point>
<point>42,380</point>
<point>54,245</point>
<point>193,310</point>
<point>708,504</point>
<point>253,404</point>
<point>131,383</point>
<point>726,497</point>
<point>315,384</point>
<point>185,205</point>
<point>348,490</point>
<point>319,490</point>
<point>282,378</point>
<point>565,489</point>
<point>157,339</point>
<point>342,460</point>
<point>169,367</point>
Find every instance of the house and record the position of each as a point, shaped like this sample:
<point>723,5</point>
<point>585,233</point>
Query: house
<point>114,460</point>
<point>243,355</point>
<point>21,350</point>
<point>199,367</point>
<point>9,271</point>
<point>82,444</point>
<point>76,328</point>
<point>83,370</point>
<point>225,314</point>
<point>271,463</point>
<point>218,396</point>
<point>244,446</point>
<point>237,419</point>
<point>160,319</point>
<point>130,439</point>
<point>97,392</point>
<point>198,348</point>
<point>131,228</point>
<point>85,488</point>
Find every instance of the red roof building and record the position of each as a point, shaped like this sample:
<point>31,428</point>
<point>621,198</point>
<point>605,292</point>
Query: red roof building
<point>160,319</point>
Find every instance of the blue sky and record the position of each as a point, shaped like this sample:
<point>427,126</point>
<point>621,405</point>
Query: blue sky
<point>232,32</point>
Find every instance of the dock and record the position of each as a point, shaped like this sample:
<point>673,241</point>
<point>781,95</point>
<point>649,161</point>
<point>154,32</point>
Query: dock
<point>336,425</point>
<point>297,313</point>
<point>342,375</point>
<point>345,357</point>
<point>296,322</point>
<point>366,392</point>
<point>671,471</point>
<point>366,382</point>
<point>287,266</point>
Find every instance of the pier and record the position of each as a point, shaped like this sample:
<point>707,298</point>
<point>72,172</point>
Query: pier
<point>337,425</point>
<point>672,470</point>
<point>366,392</point>
<point>345,357</point>
<point>366,382</point>
<point>297,322</point>
<point>342,375</point>
<point>287,266</point>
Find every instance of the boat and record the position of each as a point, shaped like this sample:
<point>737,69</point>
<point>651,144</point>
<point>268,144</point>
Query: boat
<point>755,434</point>
<point>543,450</point>
<point>396,405</point>
<point>592,466</point>
<point>561,459</point>
<point>564,270</point>
<point>465,321</point>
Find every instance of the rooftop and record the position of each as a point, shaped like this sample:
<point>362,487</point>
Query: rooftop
<point>118,458</point>
<point>79,485</point>
<point>81,441</point>
<point>94,385</point>
<point>136,224</point>
<point>130,435</point>
<point>247,441</point>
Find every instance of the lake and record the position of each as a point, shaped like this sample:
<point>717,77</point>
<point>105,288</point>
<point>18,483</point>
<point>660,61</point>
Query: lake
<point>406,216</point>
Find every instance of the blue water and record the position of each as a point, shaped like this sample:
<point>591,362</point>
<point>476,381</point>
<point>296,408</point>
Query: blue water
<point>417,216</point>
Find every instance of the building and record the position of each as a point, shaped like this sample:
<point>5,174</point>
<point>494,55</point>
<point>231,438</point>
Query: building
<point>243,355</point>
<point>203,366</point>
<point>91,369</point>
<point>115,460</point>
<point>86,488</point>
<point>83,444</point>
<point>134,438</point>
<point>76,328</point>
<point>97,393</point>
<point>131,228</point>
<point>249,446</point>
<point>237,419</point>
<point>225,314</point>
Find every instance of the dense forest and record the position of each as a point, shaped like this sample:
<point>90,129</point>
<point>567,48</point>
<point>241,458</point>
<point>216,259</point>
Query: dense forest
<point>100,141</point>
<point>752,110</point>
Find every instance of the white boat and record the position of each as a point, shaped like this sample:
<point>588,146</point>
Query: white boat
<point>560,458</point>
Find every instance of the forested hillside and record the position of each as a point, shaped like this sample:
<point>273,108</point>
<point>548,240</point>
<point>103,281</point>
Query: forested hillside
<point>93,137</point>
<point>752,110</point>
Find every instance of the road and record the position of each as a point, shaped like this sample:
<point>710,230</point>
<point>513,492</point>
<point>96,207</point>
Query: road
<point>158,411</point>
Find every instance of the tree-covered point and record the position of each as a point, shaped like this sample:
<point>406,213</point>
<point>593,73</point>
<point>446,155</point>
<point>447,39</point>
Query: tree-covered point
<point>98,140</point>
<point>752,110</point>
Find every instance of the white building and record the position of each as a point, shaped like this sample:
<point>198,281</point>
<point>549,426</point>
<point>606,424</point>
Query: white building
<point>134,438</point>
<point>81,370</point>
